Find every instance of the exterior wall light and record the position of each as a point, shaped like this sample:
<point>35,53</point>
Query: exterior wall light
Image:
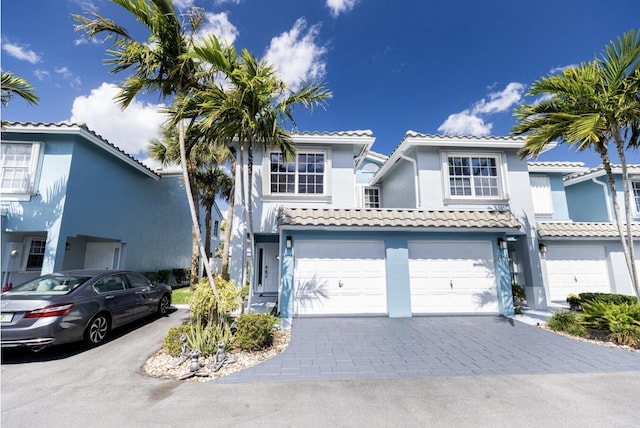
<point>542,248</point>
<point>502,244</point>
<point>289,243</point>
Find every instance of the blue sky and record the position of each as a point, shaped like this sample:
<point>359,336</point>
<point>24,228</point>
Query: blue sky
<point>438,67</point>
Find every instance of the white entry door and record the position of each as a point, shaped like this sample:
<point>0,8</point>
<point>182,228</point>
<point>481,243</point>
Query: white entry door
<point>575,270</point>
<point>452,277</point>
<point>102,255</point>
<point>340,277</point>
<point>266,268</point>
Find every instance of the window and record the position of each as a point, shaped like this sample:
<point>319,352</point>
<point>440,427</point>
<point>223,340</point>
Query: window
<point>474,176</point>
<point>216,228</point>
<point>541,194</point>
<point>137,280</point>
<point>110,284</point>
<point>302,176</point>
<point>35,258</point>
<point>371,197</point>
<point>635,186</point>
<point>18,167</point>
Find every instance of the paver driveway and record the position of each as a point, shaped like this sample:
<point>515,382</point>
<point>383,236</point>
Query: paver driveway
<point>374,347</point>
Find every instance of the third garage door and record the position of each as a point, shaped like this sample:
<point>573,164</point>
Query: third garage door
<point>576,270</point>
<point>452,277</point>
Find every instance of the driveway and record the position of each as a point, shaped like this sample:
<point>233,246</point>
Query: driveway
<point>342,372</point>
<point>381,347</point>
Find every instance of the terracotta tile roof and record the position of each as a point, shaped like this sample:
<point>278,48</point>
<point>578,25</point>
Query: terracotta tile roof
<point>599,170</point>
<point>556,166</point>
<point>581,230</point>
<point>397,218</point>
<point>353,133</point>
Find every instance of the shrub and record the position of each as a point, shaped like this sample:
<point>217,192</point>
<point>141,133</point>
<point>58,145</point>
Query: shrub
<point>616,299</point>
<point>205,338</point>
<point>519,294</point>
<point>254,331</point>
<point>152,276</point>
<point>203,303</point>
<point>181,275</point>
<point>568,322</point>
<point>625,334</point>
<point>172,343</point>
<point>604,315</point>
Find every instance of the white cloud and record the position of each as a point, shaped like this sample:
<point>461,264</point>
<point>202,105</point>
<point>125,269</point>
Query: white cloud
<point>470,122</point>
<point>296,55</point>
<point>465,123</point>
<point>340,6</point>
<point>41,74</point>
<point>556,70</point>
<point>183,4</point>
<point>221,2</point>
<point>129,129</point>
<point>20,52</point>
<point>219,25</point>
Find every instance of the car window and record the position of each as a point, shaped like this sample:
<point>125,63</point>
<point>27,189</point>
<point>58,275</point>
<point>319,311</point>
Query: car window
<point>137,280</point>
<point>110,284</point>
<point>49,284</point>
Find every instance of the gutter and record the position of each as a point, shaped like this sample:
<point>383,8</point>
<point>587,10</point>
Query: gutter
<point>415,177</point>
<point>607,196</point>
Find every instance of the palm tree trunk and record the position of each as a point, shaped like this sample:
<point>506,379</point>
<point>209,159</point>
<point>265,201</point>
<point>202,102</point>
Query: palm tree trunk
<point>250,209</point>
<point>606,162</point>
<point>227,231</point>
<point>630,257</point>
<point>195,250</point>
<point>192,208</point>
<point>207,227</point>
<point>243,236</point>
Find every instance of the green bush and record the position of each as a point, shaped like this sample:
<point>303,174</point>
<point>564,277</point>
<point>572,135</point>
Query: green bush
<point>519,296</point>
<point>204,308</point>
<point>163,276</point>
<point>625,334</point>
<point>567,322</point>
<point>616,299</point>
<point>181,275</point>
<point>172,344</point>
<point>254,331</point>
<point>622,321</point>
<point>152,276</point>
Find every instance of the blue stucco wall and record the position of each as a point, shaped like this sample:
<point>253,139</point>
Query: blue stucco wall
<point>587,202</point>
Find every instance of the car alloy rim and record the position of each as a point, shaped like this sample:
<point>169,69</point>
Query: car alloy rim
<point>98,329</point>
<point>164,304</point>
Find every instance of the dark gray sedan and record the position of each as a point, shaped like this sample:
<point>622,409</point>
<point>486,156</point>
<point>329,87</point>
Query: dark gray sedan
<point>77,305</point>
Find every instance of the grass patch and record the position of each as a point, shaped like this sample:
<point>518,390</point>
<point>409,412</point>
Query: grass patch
<point>181,296</point>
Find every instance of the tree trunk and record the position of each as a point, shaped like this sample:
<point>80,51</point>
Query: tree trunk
<point>195,250</point>
<point>250,210</point>
<point>194,212</point>
<point>243,235</point>
<point>207,227</point>
<point>229,224</point>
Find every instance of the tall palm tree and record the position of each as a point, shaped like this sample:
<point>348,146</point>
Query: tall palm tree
<point>159,63</point>
<point>252,112</point>
<point>212,182</point>
<point>588,107</point>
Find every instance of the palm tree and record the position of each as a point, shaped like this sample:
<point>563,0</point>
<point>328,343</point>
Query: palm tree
<point>253,112</point>
<point>14,85</point>
<point>212,182</point>
<point>588,107</point>
<point>160,65</point>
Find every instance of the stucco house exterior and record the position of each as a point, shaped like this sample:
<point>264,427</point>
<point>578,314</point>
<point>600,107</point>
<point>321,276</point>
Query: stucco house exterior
<point>442,225</point>
<point>579,240</point>
<point>71,200</point>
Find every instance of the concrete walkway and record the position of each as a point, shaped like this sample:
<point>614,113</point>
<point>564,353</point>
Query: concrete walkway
<point>381,347</point>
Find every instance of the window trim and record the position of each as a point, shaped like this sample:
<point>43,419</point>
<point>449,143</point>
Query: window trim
<point>266,182</point>
<point>28,253</point>
<point>635,212</point>
<point>361,196</point>
<point>24,194</point>
<point>501,169</point>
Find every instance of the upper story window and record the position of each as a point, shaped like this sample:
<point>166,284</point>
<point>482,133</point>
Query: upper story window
<point>19,162</point>
<point>371,197</point>
<point>541,194</point>
<point>304,175</point>
<point>473,176</point>
<point>635,186</point>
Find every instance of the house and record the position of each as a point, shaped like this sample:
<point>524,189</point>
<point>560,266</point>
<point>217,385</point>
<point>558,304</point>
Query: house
<point>72,200</point>
<point>579,240</point>
<point>442,225</point>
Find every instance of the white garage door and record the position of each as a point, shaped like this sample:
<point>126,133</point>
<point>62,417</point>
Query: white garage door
<point>452,277</point>
<point>340,277</point>
<point>576,270</point>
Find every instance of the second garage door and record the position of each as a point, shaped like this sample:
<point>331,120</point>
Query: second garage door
<point>576,270</point>
<point>452,277</point>
<point>340,277</point>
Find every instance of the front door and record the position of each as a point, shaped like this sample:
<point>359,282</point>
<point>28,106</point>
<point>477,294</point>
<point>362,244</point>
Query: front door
<point>267,268</point>
<point>102,255</point>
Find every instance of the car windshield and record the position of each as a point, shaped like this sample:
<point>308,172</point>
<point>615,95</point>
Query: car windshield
<point>49,284</point>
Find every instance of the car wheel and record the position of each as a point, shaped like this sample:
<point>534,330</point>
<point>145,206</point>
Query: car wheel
<point>163,306</point>
<point>97,330</point>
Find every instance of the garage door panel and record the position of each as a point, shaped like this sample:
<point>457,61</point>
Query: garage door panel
<point>452,277</point>
<point>340,277</point>
<point>574,270</point>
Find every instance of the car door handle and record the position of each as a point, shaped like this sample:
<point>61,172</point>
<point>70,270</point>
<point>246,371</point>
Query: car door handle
<point>109,297</point>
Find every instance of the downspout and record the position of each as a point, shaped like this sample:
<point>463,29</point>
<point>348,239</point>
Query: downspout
<point>606,195</point>
<point>415,178</point>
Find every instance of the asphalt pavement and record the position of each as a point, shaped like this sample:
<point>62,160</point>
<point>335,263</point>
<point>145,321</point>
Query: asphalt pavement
<point>71,386</point>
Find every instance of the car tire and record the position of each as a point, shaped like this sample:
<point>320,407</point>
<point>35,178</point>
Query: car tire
<point>97,330</point>
<point>163,305</point>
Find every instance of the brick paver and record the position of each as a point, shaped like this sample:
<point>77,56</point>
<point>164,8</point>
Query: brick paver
<point>374,347</point>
